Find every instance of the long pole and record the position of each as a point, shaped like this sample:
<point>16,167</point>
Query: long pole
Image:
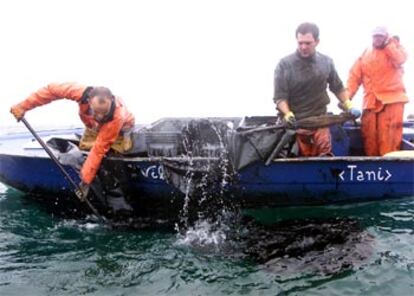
<point>79,193</point>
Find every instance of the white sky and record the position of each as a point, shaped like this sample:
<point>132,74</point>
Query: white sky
<point>170,58</point>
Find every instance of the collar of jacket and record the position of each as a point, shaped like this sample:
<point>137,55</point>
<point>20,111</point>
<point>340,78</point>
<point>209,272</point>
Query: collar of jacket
<point>310,59</point>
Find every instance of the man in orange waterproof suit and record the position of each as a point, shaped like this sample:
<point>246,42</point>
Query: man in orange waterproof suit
<point>379,70</point>
<point>108,123</point>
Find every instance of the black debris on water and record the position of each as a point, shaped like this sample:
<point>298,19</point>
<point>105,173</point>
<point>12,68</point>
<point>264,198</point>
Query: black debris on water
<point>314,246</point>
<point>307,245</point>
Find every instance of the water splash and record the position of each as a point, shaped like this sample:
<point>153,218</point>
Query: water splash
<point>207,172</point>
<point>207,202</point>
<point>202,235</point>
<point>288,247</point>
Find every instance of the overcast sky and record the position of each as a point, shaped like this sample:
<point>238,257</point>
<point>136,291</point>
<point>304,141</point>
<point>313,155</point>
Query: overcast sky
<point>170,58</point>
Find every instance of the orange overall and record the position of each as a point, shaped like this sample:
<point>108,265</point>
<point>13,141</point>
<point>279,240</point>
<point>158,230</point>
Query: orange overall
<point>380,72</point>
<point>315,142</point>
<point>107,133</point>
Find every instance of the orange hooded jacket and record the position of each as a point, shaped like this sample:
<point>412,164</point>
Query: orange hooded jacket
<point>107,132</point>
<point>380,71</point>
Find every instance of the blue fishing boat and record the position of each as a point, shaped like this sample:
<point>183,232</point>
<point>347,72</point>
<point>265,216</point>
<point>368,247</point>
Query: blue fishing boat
<point>173,154</point>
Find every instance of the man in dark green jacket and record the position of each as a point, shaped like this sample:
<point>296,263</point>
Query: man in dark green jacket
<point>300,90</point>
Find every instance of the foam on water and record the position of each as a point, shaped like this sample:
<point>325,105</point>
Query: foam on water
<point>203,234</point>
<point>80,224</point>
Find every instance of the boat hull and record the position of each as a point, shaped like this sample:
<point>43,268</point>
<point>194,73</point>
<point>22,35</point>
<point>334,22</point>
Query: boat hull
<point>283,182</point>
<point>329,180</point>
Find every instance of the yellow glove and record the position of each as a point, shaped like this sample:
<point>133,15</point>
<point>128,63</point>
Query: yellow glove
<point>289,117</point>
<point>347,105</point>
<point>17,111</point>
<point>127,142</point>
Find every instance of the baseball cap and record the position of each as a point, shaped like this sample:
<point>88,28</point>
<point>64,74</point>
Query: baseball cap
<point>382,31</point>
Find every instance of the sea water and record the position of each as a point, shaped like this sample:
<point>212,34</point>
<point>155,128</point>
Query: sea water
<point>43,254</point>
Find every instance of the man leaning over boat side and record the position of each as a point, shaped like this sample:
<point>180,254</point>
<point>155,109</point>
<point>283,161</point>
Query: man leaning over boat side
<point>300,83</point>
<point>108,123</point>
<point>379,70</point>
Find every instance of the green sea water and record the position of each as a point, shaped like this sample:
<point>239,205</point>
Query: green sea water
<point>41,254</point>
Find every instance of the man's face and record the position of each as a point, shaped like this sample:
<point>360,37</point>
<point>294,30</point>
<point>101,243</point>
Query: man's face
<point>306,44</point>
<point>378,41</point>
<point>100,107</point>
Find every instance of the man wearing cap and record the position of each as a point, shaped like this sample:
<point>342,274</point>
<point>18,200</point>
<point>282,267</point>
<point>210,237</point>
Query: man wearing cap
<point>379,69</point>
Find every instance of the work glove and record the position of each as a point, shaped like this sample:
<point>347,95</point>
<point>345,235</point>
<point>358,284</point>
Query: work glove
<point>17,111</point>
<point>355,112</point>
<point>290,118</point>
<point>395,39</point>
<point>127,141</point>
<point>83,191</point>
<point>347,107</point>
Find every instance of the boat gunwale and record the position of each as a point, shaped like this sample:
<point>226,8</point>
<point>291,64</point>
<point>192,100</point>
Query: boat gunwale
<point>276,160</point>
